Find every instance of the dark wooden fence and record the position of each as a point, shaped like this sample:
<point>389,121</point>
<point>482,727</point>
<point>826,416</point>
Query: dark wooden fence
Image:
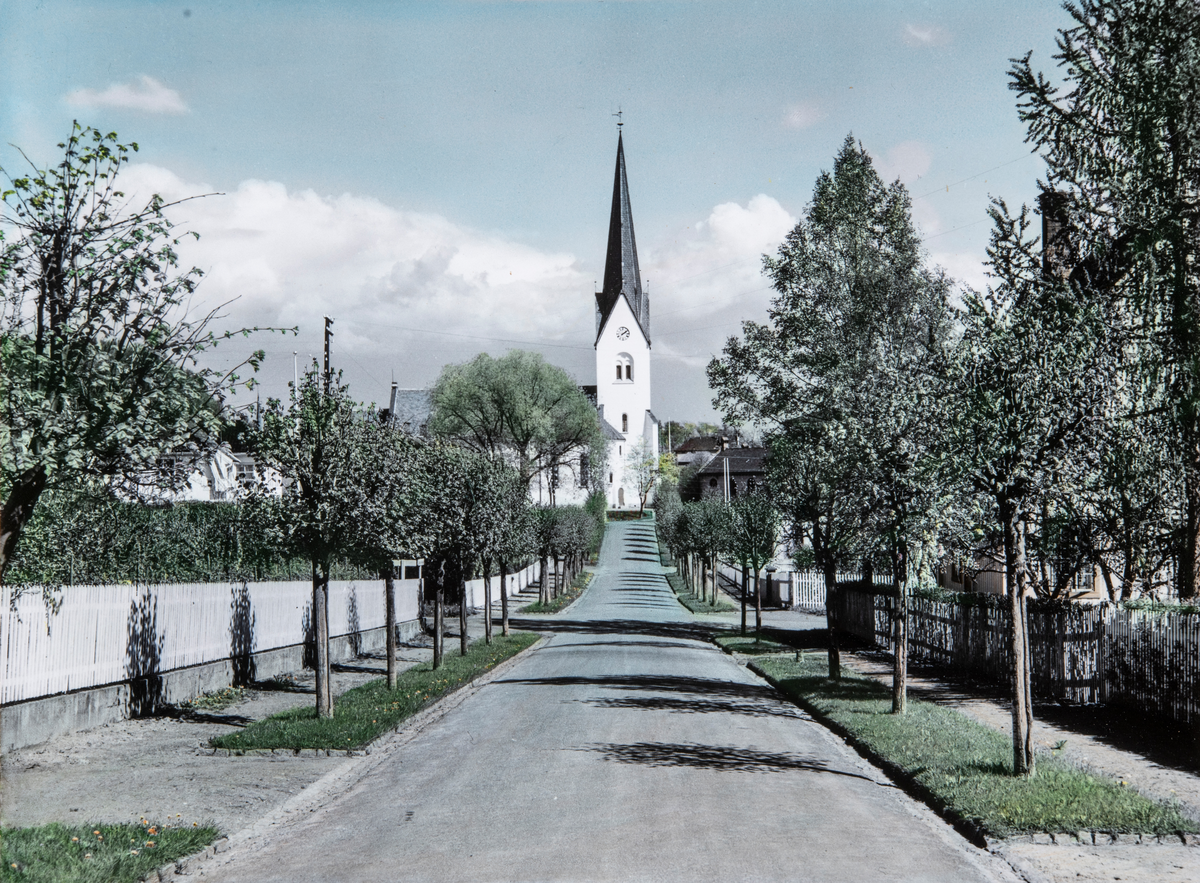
<point>1087,654</point>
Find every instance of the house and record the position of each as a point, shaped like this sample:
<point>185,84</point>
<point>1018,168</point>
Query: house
<point>732,473</point>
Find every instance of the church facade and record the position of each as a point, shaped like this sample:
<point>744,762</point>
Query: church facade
<point>623,374</point>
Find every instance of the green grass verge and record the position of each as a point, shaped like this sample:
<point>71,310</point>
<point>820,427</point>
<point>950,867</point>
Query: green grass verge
<point>964,768</point>
<point>747,646</point>
<point>574,590</point>
<point>366,712</point>
<point>693,602</point>
<point>96,853</point>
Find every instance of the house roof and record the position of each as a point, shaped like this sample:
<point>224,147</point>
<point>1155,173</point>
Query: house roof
<point>610,431</point>
<point>413,407</point>
<point>622,277</point>
<point>706,443</point>
<point>742,461</point>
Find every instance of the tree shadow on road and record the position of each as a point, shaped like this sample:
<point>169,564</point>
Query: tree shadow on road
<point>689,631</point>
<point>724,758</point>
<point>657,684</point>
<point>698,706</point>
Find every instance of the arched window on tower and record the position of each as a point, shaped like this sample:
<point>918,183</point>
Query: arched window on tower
<point>625,367</point>
<point>624,423</point>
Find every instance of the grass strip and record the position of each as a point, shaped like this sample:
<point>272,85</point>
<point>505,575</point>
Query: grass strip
<point>554,605</point>
<point>963,768</point>
<point>691,601</point>
<point>122,853</point>
<point>369,711</point>
<point>748,646</point>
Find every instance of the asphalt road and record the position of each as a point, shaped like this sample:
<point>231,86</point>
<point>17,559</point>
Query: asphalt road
<point>624,748</point>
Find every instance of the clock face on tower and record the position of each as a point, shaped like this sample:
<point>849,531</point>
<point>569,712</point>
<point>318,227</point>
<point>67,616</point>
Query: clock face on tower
<point>622,333</point>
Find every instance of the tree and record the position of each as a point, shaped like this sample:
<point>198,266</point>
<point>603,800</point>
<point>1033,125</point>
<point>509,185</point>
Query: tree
<point>339,499</point>
<point>643,468</point>
<point>850,360</point>
<point>504,535</point>
<point>1121,140</point>
<point>751,538</point>
<point>1031,373</point>
<point>520,407</point>
<point>99,351</point>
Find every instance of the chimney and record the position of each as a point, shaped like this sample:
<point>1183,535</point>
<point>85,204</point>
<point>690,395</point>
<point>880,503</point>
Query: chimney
<point>1056,229</point>
<point>724,443</point>
<point>392,405</point>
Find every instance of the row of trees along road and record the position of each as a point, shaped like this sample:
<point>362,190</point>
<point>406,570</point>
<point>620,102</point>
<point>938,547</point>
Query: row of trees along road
<point>1056,416</point>
<point>697,534</point>
<point>102,378</point>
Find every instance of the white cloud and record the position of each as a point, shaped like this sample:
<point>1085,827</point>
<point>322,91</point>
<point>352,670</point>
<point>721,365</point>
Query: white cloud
<point>289,258</point>
<point>146,94</point>
<point>924,35</point>
<point>803,115</point>
<point>908,161</point>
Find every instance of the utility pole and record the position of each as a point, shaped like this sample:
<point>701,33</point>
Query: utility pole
<point>328,340</point>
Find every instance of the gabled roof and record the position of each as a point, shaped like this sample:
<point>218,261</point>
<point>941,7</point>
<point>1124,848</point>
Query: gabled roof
<point>413,407</point>
<point>742,461</point>
<point>706,443</point>
<point>621,275</point>
<point>610,431</point>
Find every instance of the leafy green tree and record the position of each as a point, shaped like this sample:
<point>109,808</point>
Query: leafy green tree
<point>851,358</point>
<point>642,467</point>
<point>522,408</point>
<point>1120,133</point>
<point>1031,373</point>
<point>340,498</point>
<point>751,539</point>
<point>99,352</point>
<point>503,534</point>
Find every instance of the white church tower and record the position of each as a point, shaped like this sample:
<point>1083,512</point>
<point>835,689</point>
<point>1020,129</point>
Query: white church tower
<point>623,348</point>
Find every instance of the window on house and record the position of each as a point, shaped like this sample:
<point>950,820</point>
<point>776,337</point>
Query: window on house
<point>624,423</point>
<point>610,481</point>
<point>712,482</point>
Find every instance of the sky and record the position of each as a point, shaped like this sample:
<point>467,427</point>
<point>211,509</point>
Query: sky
<point>437,177</point>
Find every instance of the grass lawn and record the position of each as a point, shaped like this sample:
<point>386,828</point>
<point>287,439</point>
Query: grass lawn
<point>366,712</point>
<point>574,590</point>
<point>963,767</point>
<point>746,645</point>
<point>96,853</point>
<point>693,602</point>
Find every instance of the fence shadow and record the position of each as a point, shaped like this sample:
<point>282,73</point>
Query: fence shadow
<point>241,636</point>
<point>143,656</point>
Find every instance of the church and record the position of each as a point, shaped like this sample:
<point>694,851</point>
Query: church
<point>622,390</point>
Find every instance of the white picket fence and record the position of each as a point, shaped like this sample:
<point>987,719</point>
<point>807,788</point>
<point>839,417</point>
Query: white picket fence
<point>102,635</point>
<point>803,590</point>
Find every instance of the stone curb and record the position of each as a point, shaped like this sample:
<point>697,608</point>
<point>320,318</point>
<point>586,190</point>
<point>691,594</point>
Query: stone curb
<point>206,751</point>
<point>1096,838</point>
<point>405,730</point>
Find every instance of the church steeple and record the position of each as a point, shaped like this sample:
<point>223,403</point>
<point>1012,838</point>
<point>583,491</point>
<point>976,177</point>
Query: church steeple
<point>621,275</point>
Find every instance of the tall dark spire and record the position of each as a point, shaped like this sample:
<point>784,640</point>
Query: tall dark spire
<point>621,275</point>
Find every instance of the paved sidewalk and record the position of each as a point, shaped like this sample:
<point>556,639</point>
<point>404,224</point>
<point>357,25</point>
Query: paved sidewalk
<point>1059,863</point>
<point>156,767</point>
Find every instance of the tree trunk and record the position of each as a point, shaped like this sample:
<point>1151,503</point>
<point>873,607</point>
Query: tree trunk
<point>1018,639</point>
<point>757,603</point>
<point>461,578</point>
<point>504,596</point>
<point>745,589</point>
<point>544,584</point>
<point>321,630</point>
<point>16,511</point>
<point>835,653</point>
<point>389,621</point>
<point>900,630</point>
<point>487,602</point>
<point>1189,558</point>
<point>438,612</point>
<point>557,582</point>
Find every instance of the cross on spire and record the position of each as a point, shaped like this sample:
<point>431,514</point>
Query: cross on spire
<point>620,123</point>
